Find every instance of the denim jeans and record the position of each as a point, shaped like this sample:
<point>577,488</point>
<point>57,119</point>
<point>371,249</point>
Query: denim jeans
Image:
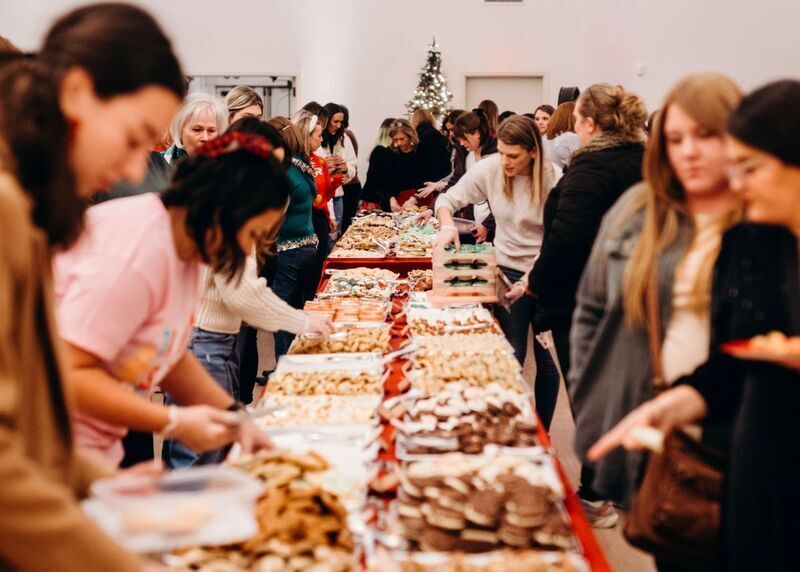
<point>218,354</point>
<point>293,276</point>
<point>515,326</point>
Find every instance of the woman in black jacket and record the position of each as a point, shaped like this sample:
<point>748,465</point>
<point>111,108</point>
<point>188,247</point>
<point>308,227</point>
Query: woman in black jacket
<point>610,125</point>
<point>756,287</point>
<point>433,146</point>
<point>378,170</point>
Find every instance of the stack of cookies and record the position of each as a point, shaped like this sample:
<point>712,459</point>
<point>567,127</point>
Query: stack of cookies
<point>481,503</point>
<point>465,419</point>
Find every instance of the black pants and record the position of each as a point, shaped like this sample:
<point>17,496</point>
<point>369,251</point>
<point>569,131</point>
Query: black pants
<point>248,363</point>
<point>319,220</point>
<point>352,196</point>
<point>138,447</point>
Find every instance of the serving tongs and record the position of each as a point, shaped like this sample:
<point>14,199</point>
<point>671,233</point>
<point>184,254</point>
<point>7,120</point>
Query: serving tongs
<point>466,327</point>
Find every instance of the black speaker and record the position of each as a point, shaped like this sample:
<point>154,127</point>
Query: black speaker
<point>568,94</point>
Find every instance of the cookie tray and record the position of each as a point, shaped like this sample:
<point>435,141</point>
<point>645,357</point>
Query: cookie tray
<point>401,450</point>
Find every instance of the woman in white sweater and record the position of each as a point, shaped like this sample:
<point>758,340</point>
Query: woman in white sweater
<point>515,182</point>
<point>224,305</point>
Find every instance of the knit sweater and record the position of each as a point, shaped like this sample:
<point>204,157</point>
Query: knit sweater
<point>297,222</point>
<point>225,304</point>
<point>519,223</point>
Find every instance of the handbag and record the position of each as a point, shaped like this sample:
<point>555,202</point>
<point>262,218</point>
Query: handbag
<point>675,514</point>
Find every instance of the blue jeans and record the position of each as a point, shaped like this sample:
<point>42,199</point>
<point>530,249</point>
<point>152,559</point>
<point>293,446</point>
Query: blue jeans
<point>515,326</point>
<point>218,354</point>
<point>294,275</point>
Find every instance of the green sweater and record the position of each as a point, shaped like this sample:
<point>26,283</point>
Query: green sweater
<point>297,222</point>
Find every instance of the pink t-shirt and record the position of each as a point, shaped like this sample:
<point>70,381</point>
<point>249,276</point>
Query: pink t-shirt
<point>123,295</point>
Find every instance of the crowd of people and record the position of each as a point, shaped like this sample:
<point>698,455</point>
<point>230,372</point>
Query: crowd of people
<point>640,243</point>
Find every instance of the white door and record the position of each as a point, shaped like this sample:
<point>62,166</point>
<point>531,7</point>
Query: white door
<point>520,94</point>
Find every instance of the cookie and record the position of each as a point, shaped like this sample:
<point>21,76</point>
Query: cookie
<point>441,517</point>
<point>438,540</point>
<point>484,507</point>
<point>516,536</point>
<point>472,540</point>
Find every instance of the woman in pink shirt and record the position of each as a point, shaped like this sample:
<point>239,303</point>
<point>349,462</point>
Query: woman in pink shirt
<point>127,291</point>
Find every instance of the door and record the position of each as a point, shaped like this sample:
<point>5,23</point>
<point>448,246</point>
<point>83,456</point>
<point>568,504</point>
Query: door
<point>520,94</point>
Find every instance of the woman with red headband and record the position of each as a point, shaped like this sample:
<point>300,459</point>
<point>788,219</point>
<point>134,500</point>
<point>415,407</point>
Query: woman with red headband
<point>127,291</point>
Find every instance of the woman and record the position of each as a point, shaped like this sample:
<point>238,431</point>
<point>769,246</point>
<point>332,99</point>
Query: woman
<point>310,128</point>
<point>127,291</point>
<point>609,122</point>
<point>224,305</point>
<point>515,182</point>
<point>458,157</point>
<point>490,109</point>
<point>406,167</point>
<point>675,219</point>
<point>352,189</point>
<point>756,280</point>
<point>432,145</point>
<point>378,171</point>
<point>291,271</point>
<point>542,116</point>
<point>63,155</point>
<point>243,101</point>
<point>200,118</point>
<point>337,149</point>
<point>560,140</point>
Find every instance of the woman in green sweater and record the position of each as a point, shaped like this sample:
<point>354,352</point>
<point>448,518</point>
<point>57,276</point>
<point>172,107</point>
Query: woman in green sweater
<point>291,272</point>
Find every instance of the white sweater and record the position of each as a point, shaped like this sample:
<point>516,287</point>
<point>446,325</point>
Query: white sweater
<point>520,229</point>
<point>225,304</point>
<point>344,148</point>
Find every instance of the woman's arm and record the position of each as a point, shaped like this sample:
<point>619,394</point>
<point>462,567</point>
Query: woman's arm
<point>252,300</point>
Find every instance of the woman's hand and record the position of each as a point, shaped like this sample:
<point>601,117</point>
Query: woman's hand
<point>151,468</point>
<point>332,225</point>
<point>394,205</point>
<point>448,234</point>
<point>253,439</point>
<point>318,325</point>
<point>671,409</point>
<point>431,188</point>
<point>423,217</point>
<point>203,428</point>
<point>516,292</point>
<point>480,233</point>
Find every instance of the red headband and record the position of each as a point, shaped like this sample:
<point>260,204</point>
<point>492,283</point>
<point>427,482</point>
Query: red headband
<point>234,141</point>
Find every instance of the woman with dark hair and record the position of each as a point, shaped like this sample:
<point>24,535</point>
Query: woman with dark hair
<point>224,305</point>
<point>491,110</point>
<point>77,119</point>
<point>378,170</point>
<point>352,188</point>
<point>542,116</point>
<point>458,157</point>
<point>126,294</point>
<point>433,148</point>
<point>473,132</point>
<point>756,280</point>
<point>337,149</point>
<point>291,272</point>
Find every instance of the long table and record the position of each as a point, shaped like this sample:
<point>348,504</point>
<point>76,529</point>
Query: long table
<point>395,381</point>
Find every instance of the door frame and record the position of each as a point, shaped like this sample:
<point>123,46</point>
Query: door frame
<point>492,74</point>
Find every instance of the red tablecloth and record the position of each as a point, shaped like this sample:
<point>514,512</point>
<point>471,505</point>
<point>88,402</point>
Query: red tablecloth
<point>399,265</point>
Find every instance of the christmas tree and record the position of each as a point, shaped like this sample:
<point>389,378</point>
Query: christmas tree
<point>432,92</point>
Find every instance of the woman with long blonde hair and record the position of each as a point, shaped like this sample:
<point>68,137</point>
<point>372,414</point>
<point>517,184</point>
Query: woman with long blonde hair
<point>666,230</point>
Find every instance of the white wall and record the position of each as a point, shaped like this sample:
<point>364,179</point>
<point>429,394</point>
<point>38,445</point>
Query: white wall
<point>367,53</point>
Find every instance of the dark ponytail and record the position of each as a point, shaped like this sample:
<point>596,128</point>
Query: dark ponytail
<point>37,134</point>
<point>470,122</point>
<point>121,47</point>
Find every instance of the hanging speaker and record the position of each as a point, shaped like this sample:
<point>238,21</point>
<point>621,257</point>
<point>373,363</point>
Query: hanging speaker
<point>568,94</point>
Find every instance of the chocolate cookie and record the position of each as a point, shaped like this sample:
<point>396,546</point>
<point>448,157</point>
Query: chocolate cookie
<point>477,541</point>
<point>442,517</point>
<point>438,540</point>
<point>484,507</point>
<point>512,535</point>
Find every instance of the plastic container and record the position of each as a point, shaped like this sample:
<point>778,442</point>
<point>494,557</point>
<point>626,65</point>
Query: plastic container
<point>204,506</point>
